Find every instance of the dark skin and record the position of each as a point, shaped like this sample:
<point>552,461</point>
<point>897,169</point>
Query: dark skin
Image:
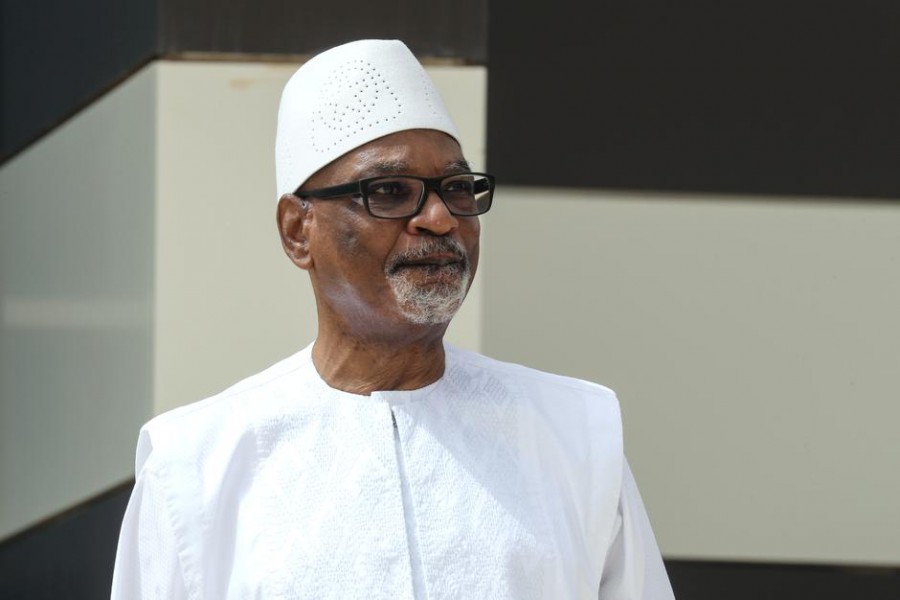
<point>365,342</point>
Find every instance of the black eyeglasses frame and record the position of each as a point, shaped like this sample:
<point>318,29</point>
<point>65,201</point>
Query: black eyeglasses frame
<point>356,189</point>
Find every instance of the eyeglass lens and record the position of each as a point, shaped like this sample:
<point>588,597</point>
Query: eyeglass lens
<point>394,197</point>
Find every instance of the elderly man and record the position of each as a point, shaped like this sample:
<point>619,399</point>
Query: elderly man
<point>380,462</point>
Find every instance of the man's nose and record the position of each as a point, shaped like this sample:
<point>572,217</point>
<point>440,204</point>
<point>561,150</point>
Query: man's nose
<point>434,217</point>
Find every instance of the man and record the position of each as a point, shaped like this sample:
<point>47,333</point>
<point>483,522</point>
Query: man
<point>380,462</point>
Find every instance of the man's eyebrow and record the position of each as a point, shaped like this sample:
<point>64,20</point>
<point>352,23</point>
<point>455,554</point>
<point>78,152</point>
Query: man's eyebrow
<point>385,167</point>
<point>457,166</point>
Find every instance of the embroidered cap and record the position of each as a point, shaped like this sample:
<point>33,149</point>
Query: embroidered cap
<point>346,97</point>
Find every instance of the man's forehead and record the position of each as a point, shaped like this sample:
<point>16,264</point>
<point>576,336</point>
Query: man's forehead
<point>386,166</point>
<point>404,152</point>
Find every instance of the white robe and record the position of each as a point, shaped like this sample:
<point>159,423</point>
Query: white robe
<point>496,481</point>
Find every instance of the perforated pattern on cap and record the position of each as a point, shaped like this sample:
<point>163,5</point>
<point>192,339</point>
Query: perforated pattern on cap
<point>347,97</point>
<point>355,97</point>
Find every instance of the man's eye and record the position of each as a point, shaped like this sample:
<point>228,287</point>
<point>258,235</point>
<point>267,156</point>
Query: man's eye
<point>461,186</point>
<point>389,188</point>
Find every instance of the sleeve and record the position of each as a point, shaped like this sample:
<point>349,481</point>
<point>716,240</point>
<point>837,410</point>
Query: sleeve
<point>634,569</point>
<point>147,562</point>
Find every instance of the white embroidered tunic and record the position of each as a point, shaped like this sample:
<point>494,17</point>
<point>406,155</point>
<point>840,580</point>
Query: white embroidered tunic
<point>496,481</point>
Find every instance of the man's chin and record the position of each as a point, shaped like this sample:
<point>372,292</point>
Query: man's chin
<point>430,296</point>
<point>430,315</point>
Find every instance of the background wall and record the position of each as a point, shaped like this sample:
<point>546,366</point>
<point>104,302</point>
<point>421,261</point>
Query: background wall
<point>741,304</point>
<point>754,343</point>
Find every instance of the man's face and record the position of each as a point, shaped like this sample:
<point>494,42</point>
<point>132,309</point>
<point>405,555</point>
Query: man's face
<point>373,276</point>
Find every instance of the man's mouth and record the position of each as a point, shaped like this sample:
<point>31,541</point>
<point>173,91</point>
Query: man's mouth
<point>434,257</point>
<point>435,260</point>
<point>427,270</point>
<point>430,281</point>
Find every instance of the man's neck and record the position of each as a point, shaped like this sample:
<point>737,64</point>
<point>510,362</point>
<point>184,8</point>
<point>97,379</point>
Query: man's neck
<point>362,367</point>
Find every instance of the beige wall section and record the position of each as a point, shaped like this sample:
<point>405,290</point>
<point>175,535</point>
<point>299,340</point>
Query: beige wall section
<point>755,347</point>
<point>76,266</point>
<point>229,303</point>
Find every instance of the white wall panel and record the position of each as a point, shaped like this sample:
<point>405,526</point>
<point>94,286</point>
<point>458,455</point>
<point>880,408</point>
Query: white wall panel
<point>754,344</point>
<point>76,274</point>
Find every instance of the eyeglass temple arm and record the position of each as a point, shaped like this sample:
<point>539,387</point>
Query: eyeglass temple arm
<point>334,191</point>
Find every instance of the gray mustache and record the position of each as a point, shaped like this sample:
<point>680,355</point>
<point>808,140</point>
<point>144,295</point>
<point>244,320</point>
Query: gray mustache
<point>427,248</point>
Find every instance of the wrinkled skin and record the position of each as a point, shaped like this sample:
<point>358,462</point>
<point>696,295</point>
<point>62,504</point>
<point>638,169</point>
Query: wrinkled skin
<point>367,340</point>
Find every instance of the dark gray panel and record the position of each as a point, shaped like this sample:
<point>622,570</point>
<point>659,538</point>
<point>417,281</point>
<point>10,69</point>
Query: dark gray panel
<point>68,557</point>
<point>703,580</point>
<point>59,55</point>
<point>442,28</point>
<point>765,97</point>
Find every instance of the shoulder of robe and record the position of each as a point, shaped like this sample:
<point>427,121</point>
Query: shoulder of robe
<point>189,434</point>
<point>582,417</point>
<point>548,386</point>
<point>577,425</point>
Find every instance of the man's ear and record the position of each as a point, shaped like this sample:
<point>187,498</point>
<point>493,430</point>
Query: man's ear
<point>293,218</point>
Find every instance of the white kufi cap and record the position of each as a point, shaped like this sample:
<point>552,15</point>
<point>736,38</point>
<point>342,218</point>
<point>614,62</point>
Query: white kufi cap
<point>346,97</point>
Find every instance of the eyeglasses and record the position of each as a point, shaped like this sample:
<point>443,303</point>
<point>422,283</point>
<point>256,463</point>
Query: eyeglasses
<point>403,196</point>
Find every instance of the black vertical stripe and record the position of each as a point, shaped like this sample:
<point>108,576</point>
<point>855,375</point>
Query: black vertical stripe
<point>764,97</point>
<point>439,28</point>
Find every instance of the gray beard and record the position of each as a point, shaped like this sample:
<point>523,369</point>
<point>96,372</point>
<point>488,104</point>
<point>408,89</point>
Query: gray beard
<point>433,304</point>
